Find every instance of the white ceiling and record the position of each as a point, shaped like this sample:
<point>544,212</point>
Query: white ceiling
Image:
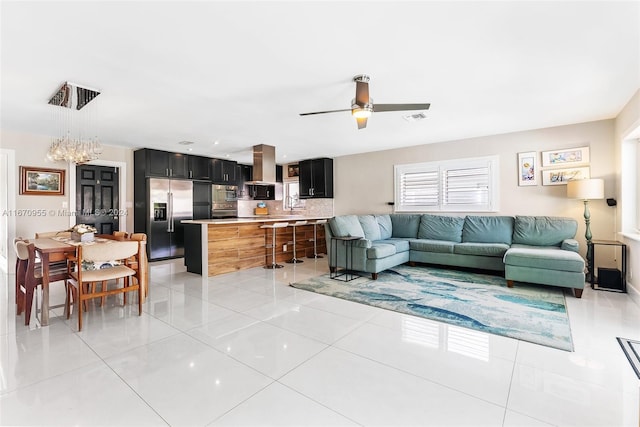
<point>240,72</point>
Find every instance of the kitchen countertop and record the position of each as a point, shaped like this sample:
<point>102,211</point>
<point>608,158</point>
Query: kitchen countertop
<point>255,218</point>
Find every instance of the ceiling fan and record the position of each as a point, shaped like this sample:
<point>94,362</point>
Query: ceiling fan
<point>362,106</point>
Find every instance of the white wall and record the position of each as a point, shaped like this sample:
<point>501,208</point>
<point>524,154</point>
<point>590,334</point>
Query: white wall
<point>628,121</point>
<point>364,182</point>
<point>31,150</point>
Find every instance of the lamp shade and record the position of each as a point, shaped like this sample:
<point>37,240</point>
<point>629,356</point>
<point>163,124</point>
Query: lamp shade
<point>585,189</point>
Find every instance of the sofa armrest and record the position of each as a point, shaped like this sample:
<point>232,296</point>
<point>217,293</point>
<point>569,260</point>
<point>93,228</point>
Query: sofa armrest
<point>570,245</point>
<point>362,243</point>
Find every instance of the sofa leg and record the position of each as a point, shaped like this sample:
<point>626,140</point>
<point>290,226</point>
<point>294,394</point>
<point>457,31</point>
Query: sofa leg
<point>374,276</point>
<point>509,283</point>
<point>333,269</point>
<point>412,263</point>
<point>577,292</point>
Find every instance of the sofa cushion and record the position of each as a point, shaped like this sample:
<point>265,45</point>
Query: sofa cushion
<point>546,258</point>
<point>402,245</point>
<point>346,225</point>
<point>384,221</point>
<point>380,250</point>
<point>370,227</point>
<point>543,230</point>
<point>439,246</point>
<point>481,249</point>
<point>487,229</point>
<point>405,225</point>
<point>441,227</point>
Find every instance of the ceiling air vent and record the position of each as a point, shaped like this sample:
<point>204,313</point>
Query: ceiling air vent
<point>186,143</point>
<point>415,117</point>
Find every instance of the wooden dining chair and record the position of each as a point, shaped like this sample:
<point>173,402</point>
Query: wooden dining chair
<point>140,264</point>
<point>29,277</point>
<point>123,234</point>
<point>118,251</point>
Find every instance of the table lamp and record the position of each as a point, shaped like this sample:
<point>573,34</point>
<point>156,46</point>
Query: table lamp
<point>586,189</point>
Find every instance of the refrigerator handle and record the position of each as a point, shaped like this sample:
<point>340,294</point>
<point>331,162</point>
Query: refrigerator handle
<point>170,213</point>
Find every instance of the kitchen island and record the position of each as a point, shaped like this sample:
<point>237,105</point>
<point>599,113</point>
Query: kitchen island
<point>231,244</point>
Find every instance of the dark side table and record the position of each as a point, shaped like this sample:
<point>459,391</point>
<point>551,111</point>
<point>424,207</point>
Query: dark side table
<point>346,274</point>
<point>591,266</point>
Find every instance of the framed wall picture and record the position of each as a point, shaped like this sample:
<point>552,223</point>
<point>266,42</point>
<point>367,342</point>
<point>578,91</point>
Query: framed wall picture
<point>563,175</point>
<point>41,181</point>
<point>527,168</point>
<point>565,157</point>
<point>293,170</point>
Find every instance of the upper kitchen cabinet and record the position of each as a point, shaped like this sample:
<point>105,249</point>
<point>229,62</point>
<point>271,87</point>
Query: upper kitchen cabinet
<point>199,168</point>
<point>223,171</point>
<point>244,173</point>
<point>316,179</point>
<point>166,164</point>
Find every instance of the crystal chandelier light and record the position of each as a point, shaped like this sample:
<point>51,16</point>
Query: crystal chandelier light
<point>74,145</point>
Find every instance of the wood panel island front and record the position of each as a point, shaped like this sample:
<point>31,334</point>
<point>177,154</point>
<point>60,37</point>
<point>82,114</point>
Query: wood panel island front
<point>231,244</point>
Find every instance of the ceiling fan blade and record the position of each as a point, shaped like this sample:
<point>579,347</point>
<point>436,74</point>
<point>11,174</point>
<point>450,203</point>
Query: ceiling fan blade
<point>362,122</point>
<point>380,108</point>
<point>324,112</point>
<point>362,93</point>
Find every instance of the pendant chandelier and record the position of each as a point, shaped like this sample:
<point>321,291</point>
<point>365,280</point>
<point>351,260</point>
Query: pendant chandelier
<point>74,145</point>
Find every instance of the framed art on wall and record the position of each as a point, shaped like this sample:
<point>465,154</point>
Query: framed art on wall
<point>563,175</point>
<point>293,171</point>
<point>565,157</point>
<point>41,181</point>
<point>527,168</point>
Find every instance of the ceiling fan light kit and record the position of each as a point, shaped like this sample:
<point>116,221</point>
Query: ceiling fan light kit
<point>362,106</point>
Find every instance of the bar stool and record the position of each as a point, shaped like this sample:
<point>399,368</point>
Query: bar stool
<point>273,226</point>
<point>316,223</point>
<point>295,260</point>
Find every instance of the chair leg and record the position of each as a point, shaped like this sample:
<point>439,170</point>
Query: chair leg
<point>28,304</point>
<point>140,290</point>
<point>80,305</point>
<point>67,299</point>
<point>124,294</point>
<point>103,300</point>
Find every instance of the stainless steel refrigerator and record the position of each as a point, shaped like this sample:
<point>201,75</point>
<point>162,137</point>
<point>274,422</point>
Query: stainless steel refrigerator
<point>170,202</point>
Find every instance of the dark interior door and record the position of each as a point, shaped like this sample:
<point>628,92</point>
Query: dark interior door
<point>97,197</point>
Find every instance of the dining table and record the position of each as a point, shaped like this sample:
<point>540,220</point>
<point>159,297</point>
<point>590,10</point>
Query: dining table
<point>56,249</point>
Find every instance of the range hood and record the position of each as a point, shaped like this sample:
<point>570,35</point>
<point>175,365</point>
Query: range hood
<point>264,165</point>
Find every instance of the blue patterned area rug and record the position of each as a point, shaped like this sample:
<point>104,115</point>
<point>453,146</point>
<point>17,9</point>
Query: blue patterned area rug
<point>482,302</point>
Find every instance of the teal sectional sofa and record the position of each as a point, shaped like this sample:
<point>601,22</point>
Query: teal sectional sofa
<point>532,249</point>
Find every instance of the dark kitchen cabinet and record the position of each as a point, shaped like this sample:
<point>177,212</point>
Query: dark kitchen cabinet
<point>244,173</point>
<point>199,168</point>
<point>263,192</point>
<point>166,164</point>
<point>316,179</point>
<point>223,171</point>
<point>201,200</point>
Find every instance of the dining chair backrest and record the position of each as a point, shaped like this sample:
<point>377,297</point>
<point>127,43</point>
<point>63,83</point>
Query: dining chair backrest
<point>26,278</point>
<point>115,250</point>
<point>121,234</point>
<point>22,249</point>
<point>138,236</point>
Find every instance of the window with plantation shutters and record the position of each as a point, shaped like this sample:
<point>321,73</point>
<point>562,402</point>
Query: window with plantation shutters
<point>453,185</point>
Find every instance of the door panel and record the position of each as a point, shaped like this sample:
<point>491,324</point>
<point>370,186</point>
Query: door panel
<point>97,197</point>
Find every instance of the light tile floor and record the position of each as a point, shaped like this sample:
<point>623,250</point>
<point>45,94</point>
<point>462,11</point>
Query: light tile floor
<point>246,349</point>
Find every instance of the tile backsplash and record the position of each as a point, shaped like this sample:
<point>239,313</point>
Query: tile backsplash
<point>313,208</point>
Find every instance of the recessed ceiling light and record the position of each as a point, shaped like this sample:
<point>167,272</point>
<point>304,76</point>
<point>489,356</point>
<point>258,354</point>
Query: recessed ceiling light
<point>186,142</point>
<point>216,142</point>
<point>284,156</point>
